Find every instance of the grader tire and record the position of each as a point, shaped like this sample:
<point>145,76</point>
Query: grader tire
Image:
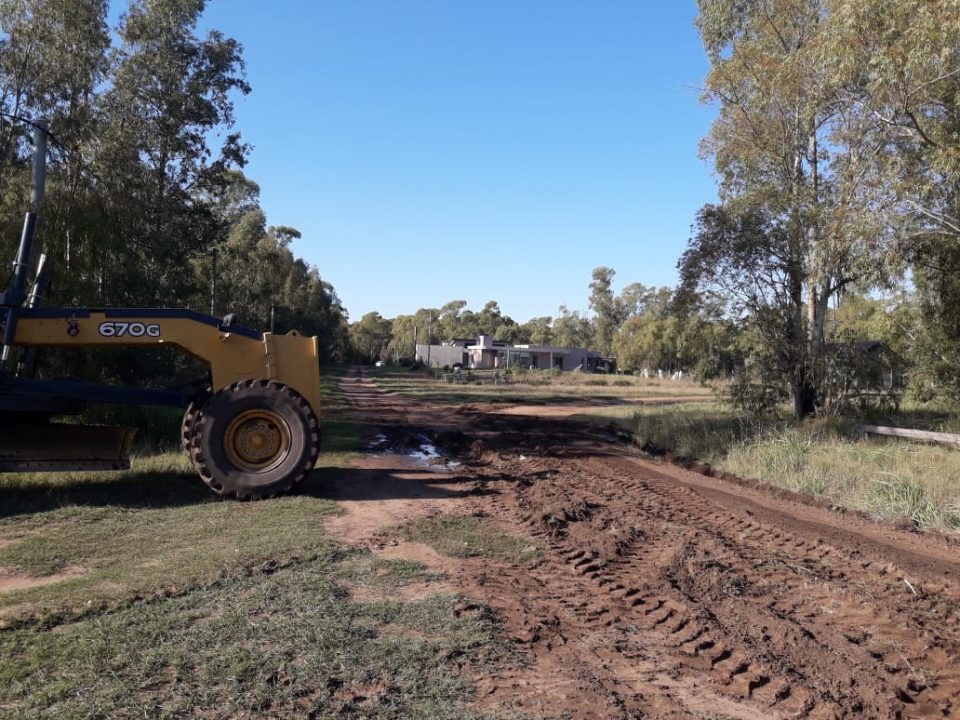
<point>254,439</point>
<point>186,426</point>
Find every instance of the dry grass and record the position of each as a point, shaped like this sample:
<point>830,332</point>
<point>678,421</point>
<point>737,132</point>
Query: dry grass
<point>890,479</point>
<point>887,478</point>
<point>540,386</point>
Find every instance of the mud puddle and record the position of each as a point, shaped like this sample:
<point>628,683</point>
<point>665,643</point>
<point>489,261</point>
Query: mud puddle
<point>419,447</point>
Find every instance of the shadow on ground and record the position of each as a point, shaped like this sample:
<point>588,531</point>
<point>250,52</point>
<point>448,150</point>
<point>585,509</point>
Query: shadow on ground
<point>176,489</point>
<point>384,484</point>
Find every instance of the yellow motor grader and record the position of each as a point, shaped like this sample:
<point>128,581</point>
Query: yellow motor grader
<point>251,430</point>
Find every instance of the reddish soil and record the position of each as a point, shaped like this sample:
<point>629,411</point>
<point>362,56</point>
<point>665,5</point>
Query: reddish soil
<point>566,410</point>
<point>664,593</point>
<point>11,580</point>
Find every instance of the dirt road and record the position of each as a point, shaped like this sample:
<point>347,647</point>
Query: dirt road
<point>664,593</point>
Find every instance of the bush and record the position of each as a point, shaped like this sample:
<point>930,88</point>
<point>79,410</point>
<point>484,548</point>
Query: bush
<point>753,396</point>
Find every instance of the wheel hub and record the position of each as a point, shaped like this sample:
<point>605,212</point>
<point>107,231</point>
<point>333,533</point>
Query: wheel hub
<point>257,440</point>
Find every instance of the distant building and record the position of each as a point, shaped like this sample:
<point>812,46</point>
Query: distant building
<point>868,366</point>
<point>485,353</point>
<point>860,375</point>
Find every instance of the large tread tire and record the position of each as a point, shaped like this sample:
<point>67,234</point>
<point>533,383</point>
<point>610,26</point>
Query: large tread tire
<point>186,426</point>
<point>226,470</point>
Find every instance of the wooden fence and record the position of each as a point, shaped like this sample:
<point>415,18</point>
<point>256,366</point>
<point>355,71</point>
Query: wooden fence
<point>922,435</point>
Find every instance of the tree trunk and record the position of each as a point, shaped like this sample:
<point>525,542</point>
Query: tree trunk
<point>804,397</point>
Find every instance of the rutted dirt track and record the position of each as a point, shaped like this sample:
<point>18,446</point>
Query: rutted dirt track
<point>665,593</point>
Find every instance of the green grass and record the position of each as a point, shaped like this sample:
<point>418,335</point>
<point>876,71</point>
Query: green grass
<point>341,435</point>
<point>463,536</point>
<point>179,604</point>
<point>706,431</point>
<point>156,528</point>
<point>289,644</point>
<point>889,479</point>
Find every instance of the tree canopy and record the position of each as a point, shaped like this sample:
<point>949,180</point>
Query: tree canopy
<point>146,194</point>
<point>836,146</point>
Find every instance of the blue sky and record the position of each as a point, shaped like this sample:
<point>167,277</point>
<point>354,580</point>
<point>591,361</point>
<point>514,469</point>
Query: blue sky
<point>433,150</point>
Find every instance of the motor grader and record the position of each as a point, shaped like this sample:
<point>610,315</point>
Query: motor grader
<point>250,429</point>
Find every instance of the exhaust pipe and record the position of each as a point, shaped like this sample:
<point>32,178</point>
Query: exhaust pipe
<point>13,297</point>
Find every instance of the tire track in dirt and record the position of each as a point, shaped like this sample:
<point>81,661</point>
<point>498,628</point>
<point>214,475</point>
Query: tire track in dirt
<point>839,592</point>
<point>665,594</point>
<point>797,625</point>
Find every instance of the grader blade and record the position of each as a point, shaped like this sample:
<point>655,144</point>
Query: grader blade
<point>47,447</point>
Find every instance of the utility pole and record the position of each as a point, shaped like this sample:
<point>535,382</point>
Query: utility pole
<point>429,335</point>
<point>416,355</point>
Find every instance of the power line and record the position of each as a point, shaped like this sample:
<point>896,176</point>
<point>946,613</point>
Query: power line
<point>37,126</point>
<point>56,141</point>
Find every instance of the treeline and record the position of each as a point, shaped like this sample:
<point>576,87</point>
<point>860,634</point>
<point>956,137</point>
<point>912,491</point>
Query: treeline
<point>653,328</point>
<point>145,188</point>
<point>837,148</point>
<point>643,327</point>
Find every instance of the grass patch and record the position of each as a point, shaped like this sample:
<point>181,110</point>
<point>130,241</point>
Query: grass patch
<point>156,527</point>
<point>385,574</point>
<point>150,529</point>
<point>341,435</point>
<point>465,536</point>
<point>706,431</point>
<point>521,386</point>
<point>181,604</point>
<point>889,479</point>
<point>288,645</point>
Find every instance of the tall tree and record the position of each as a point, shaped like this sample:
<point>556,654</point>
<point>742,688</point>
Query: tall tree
<point>634,299</point>
<point>170,90</point>
<point>53,58</point>
<point>571,329</point>
<point>143,174</point>
<point>898,64</point>
<point>776,149</point>
<point>538,331</point>
<point>608,312</point>
<point>370,337</point>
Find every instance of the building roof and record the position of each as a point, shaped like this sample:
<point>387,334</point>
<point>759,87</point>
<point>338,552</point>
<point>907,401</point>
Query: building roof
<point>543,349</point>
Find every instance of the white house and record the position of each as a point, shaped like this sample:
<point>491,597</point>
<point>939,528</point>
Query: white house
<point>487,353</point>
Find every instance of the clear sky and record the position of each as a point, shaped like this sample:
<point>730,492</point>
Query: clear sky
<point>436,150</point>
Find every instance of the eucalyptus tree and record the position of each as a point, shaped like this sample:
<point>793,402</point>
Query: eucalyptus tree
<point>634,299</point>
<point>537,331</point>
<point>572,329</point>
<point>370,337</point>
<point>608,311</point>
<point>170,90</point>
<point>53,59</point>
<point>780,155</point>
<point>898,64</point>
